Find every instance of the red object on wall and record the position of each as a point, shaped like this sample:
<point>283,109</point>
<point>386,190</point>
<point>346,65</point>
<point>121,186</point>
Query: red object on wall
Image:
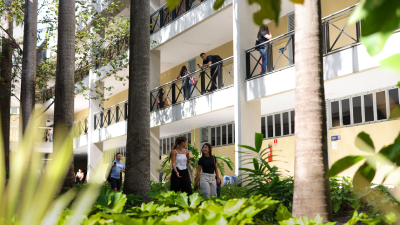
<point>275,141</point>
<point>269,154</point>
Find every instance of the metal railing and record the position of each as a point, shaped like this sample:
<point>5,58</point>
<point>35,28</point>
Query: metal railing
<point>111,115</point>
<point>162,16</point>
<point>81,127</point>
<point>280,51</point>
<point>207,80</point>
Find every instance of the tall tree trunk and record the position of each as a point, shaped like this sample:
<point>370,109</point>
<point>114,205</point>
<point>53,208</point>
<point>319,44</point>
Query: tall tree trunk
<point>64,91</point>
<point>5,79</point>
<point>311,190</point>
<point>28,75</point>
<point>137,178</point>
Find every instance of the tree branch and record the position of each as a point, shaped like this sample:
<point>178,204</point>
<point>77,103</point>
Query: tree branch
<point>15,42</point>
<point>48,107</point>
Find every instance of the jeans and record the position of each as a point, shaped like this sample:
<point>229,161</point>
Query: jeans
<point>208,185</point>
<point>186,81</point>
<point>263,52</point>
<point>50,137</point>
<point>230,178</point>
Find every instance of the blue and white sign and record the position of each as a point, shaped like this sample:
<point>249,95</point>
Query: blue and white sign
<point>335,138</point>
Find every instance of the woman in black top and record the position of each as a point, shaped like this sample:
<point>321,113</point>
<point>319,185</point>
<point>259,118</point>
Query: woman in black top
<point>185,82</point>
<point>263,36</point>
<point>207,163</point>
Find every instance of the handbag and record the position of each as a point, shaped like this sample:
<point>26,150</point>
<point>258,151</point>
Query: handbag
<point>192,80</point>
<point>190,171</point>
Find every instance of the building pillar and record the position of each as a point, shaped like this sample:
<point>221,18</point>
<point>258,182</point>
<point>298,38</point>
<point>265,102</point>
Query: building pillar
<point>155,72</point>
<point>247,114</point>
<point>95,150</point>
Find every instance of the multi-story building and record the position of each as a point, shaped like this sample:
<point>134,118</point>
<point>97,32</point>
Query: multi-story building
<point>359,94</point>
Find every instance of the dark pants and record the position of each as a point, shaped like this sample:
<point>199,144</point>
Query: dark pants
<point>115,183</point>
<point>216,72</point>
<point>182,183</point>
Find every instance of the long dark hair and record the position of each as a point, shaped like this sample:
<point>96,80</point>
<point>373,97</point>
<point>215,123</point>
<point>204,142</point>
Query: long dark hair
<point>183,71</point>
<point>178,141</point>
<point>209,148</point>
<point>263,28</point>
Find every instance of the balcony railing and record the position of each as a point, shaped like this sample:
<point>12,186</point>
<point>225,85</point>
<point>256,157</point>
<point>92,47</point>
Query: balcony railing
<point>207,80</point>
<point>337,34</point>
<point>162,16</point>
<point>111,115</point>
<point>81,127</point>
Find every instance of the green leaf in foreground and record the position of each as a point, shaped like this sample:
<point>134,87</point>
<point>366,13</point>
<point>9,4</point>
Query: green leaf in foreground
<point>282,213</point>
<point>364,142</point>
<point>343,164</point>
<point>392,63</point>
<point>218,4</point>
<point>172,4</point>
<point>269,9</point>
<point>395,113</point>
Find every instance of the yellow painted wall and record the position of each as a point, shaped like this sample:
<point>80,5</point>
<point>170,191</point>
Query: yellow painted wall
<point>329,7</point>
<point>228,151</point>
<point>81,114</point>
<point>283,154</point>
<point>382,134</point>
<point>117,98</point>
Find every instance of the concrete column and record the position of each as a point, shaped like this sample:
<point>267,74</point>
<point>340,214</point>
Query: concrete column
<point>247,114</point>
<point>95,151</point>
<point>155,70</point>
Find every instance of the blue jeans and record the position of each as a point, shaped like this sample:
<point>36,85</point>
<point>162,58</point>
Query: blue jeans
<point>263,52</point>
<point>185,83</point>
<point>230,178</point>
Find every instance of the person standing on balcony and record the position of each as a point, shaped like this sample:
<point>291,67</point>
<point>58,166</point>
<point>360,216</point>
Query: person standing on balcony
<point>162,99</point>
<point>215,70</point>
<point>185,82</point>
<point>263,36</point>
<point>207,166</point>
<point>180,179</point>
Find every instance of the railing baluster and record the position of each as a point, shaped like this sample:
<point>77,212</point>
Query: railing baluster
<point>203,82</point>
<point>327,43</point>
<point>248,65</point>
<point>173,93</point>
<point>117,114</point>
<point>108,117</point>
<point>95,121</point>
<point>126,110</point>
<point>219,74</point>
<point>358,31</point>
<point>270,61</point>
<point>161,18</point>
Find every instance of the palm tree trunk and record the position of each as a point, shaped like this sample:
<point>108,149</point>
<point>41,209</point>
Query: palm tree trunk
<point>64,90</point>
<point>5,79</point>
<point>311,195</point>
<point>137,178</point>
<point>28,75</point>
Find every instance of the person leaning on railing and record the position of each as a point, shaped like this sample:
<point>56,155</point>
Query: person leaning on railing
<point>263,35</point>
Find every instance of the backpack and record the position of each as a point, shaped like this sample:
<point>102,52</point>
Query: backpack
<point>216,58</point>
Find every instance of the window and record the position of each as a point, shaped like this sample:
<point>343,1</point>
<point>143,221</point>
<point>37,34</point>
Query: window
<point>164,147</point>
<point>368,108</point>
<point>224,135</point>
<point>335,114</point>
<point>346,119</point>
<point>263,127</point>
<point>270,125</point>
<point>168,146</point>
<point>277,118</point>
<point>393,99</point>
<point>285,123</point>
<point>357,110</point>
<point>189,137</point>
<point>218,135</point>
<point>172,142</point>
<point>230,134</point>
<point>167,143</point>
<point>381,105</point>
<point>292,121</point>
<point>213,136</point>
<point>161,147</point>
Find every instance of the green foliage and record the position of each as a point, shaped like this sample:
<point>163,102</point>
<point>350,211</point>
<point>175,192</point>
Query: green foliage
<point>230,192</point>
<point>159,186</point>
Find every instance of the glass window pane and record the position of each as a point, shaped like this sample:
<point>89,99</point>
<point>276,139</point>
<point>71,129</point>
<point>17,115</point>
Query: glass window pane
<point>335,114</point>
<point>346,112</point>
<point>161,147</point>
<point>189,137</point>
<point>168,146</point>
<point>285,123</point>
<point>233,133</point>
<point>270,126</point>
<point>224,135</point>
<point>164,145</point>
<point>393,98</point>
<point>172,142</point>
<point>357,111</point>
<point>369,108</point>
<point>381,105</point>
<point>213,136</point>
<point>218,135</point>
<point>292,121</point>
<point>263,127</point>
<point>230,134</point>
<point>277,125</point>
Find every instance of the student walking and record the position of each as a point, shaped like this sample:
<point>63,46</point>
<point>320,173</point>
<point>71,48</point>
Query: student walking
<point>117,167</point>
<point>180,179</point>
<point>185,82</point>
<point>207,166</point>
<point>263,36</point>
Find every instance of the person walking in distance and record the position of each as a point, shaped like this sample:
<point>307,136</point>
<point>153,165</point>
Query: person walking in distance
<point>180,179</point>
<point>263,36</point>
<point>207,166</point>
<point>115,175</point>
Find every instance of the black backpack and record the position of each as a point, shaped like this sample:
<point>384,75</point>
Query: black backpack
<point>216,58</point>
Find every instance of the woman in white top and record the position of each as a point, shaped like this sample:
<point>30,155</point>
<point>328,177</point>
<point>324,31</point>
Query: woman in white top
<point>79,175</point>
<point>180,179</point>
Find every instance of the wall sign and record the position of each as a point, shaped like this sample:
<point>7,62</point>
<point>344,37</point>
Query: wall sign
<point>269,150</point>
<point>275,141</point>
<point>335,138</point>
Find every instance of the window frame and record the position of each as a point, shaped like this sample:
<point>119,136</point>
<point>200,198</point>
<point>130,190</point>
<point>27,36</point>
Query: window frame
<point>289,111</point>
<point>167,139</point>
<point>226,136</point>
